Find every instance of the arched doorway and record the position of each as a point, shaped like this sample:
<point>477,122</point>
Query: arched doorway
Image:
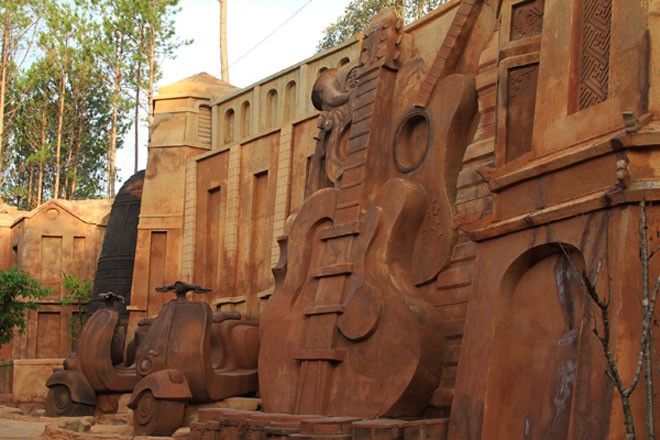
<point>544,352</point>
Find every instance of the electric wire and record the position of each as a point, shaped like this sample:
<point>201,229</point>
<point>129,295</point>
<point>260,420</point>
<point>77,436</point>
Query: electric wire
<point>270,34</point>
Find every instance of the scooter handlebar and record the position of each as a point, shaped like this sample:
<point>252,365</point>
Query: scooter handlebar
<point>181,288</point>
<point>110,298</point>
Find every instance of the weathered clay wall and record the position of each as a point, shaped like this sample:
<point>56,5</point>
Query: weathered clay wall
<point>559,155</point>
<point>60,236</point>
<point>213,206</point>
<point>51,240</point>
<point>180,131</point>
<point>552,155</point>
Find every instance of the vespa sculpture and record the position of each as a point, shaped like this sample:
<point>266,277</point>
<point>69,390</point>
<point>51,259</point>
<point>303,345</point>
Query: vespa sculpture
<point>186,354</point>
<point>204,357</point>
<point>96,368</point>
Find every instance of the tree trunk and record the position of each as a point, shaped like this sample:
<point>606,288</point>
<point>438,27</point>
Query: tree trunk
<point>138,88</point>
<point>113,145</point>
<point>136,122</point>
<point>224,73</point>
<point>628,418</point>
<point>40,180</point>
<point>152,80</point>
<point>76,158</point>
<point>3,85</point>
<point>116,97</point>
<point>67,175</point>
<point>58,141</point>
<point>112,148</point>
<point>28,203</point>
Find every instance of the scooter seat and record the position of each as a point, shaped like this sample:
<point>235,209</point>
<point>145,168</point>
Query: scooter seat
<point>223,316</point>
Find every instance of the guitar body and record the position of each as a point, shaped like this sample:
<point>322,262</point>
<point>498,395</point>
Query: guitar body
<point>347,331</point>
<point>358,342</point>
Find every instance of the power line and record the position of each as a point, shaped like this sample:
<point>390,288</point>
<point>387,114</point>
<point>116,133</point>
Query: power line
<point>270,34</point>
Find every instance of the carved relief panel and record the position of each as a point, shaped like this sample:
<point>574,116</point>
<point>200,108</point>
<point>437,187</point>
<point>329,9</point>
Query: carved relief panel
<point>518,80</point>
<point>375,225</point>
<point>526,19</point>
<point>594,62</point>
<point>588,82</point>
<point>520,44</point>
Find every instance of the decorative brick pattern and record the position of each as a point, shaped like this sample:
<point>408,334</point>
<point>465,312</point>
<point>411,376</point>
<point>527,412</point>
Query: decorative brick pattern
<point>595,60</point>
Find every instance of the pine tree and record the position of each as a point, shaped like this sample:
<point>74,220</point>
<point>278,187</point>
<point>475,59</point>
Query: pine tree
<point>358,14</point>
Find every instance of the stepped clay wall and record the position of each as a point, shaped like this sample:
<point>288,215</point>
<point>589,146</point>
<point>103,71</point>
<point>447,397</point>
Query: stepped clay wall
<point>533,161</point>
<point>223,175</point>
<point>543,195</point>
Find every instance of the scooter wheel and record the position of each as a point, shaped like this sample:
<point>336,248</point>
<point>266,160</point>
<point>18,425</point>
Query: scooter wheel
<point>60,404</point>
<point>157,417</point>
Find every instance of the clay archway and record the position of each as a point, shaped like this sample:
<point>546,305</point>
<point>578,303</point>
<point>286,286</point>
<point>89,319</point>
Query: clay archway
<point>544,355</point>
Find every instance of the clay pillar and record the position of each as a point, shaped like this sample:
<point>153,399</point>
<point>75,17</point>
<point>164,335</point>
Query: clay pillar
<point>178,134</point>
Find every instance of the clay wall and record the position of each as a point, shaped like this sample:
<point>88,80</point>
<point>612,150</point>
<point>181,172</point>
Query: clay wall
<point>218,190</point>
<point>181,130</point>
<point>51,240</point>
<point>561,152</point>
<point>57,237</point>
<point>549,188</point>
<point>262,145</point>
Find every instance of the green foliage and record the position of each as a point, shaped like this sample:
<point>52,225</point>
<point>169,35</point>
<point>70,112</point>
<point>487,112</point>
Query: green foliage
<point>359,13</point>
<point>79,292</point>
<point>77,90</point>
<point>18,293</point>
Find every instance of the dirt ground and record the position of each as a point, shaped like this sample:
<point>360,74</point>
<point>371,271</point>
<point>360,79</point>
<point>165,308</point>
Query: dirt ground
<point>30,423</point>
<point>15,425</point>
<point>21,429</point>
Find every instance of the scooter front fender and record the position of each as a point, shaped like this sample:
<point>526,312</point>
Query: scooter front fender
<point>168,384</point>
<point>80,389</point>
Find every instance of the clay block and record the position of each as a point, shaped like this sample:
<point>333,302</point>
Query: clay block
<point>381,429</point>
<point>197,430</point>
<point>327,425</point>
<point>435,429</point>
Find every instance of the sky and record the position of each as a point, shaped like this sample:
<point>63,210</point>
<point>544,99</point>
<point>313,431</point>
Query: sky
<point>253,53</point>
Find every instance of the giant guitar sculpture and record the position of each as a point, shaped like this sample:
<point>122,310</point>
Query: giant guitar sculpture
<point>348,330</point>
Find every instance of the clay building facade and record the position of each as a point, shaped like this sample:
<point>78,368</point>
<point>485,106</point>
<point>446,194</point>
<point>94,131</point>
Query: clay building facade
<point>58,237</point>
<point>517,137</point>
<point>231,165</point>
<point>558,153</point>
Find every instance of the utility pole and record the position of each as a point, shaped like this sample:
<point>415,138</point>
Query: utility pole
<point>224,73</point>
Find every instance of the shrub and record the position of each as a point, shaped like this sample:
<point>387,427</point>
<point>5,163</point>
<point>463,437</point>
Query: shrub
<point>18,293</point>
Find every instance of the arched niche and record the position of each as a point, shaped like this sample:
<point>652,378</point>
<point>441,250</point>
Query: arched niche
<point>271,116</point>
<point>545,358</point>
<point>228,126</point>
<point>290,98</point>
<point>343,62</point>
<point>245,118</point>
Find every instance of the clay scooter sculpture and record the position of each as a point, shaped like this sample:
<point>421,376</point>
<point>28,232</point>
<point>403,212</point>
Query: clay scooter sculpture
<point>191,355</point>
<point>95,369</point>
